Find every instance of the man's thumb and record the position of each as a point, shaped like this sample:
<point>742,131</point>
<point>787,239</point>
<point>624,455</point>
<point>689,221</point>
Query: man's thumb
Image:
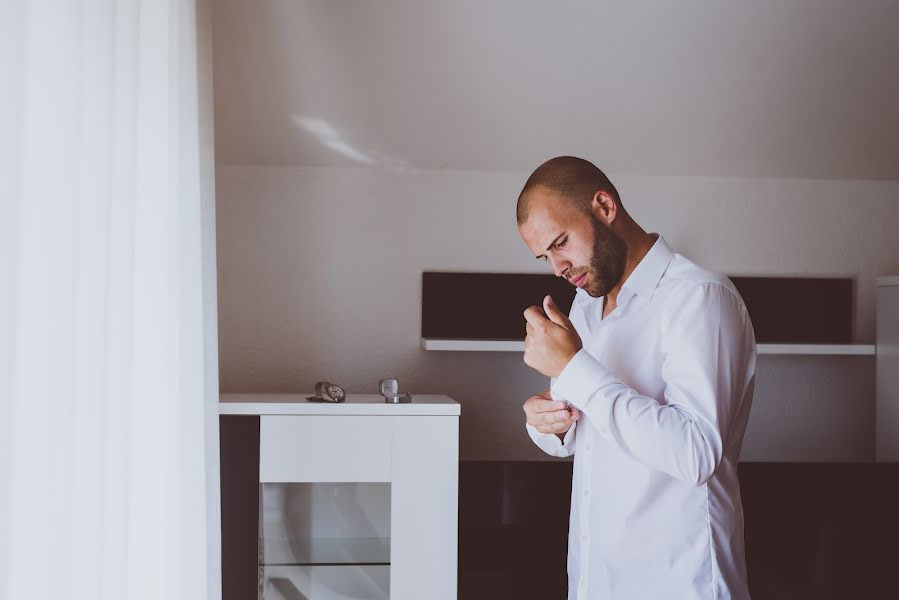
<point>555,315</point>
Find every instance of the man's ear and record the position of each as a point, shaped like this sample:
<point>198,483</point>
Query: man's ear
<point>604,207</point>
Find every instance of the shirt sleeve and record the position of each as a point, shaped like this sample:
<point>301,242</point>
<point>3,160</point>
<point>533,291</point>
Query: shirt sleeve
<point>709,352</point>
<point>550,442</point>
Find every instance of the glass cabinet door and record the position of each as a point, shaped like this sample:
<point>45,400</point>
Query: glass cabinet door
<point>324,541</point>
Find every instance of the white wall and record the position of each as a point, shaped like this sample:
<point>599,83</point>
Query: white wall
<point>766,88</point>
<point>320,278</point>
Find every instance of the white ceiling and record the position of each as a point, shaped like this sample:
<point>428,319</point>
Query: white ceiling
<point>762,88</point>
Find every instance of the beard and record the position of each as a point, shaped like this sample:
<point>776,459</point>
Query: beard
<point>607,262</point>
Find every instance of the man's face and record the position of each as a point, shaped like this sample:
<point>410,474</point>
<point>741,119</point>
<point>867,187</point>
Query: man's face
<point>578,246</point>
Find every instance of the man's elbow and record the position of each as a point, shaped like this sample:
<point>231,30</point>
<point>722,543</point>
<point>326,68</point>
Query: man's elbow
<point>697,474</point>
<point>705,460</point>
<point>702,477</point>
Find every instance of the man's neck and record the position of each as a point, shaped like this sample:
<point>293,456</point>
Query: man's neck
<point>638,246</point>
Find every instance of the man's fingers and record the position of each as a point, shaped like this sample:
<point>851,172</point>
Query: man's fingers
<point>541,404</point>
<point>555,315</point>
<point>534,316</point>
<point>556,413</point>
<point>558,416</point>
<point>537,407</point>
<point>558,427</point>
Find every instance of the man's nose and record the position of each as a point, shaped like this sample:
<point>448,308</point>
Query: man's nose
<point>560,266</point>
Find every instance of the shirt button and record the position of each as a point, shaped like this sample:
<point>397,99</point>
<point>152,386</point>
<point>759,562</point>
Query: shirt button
<point>588,447</point>
<point>583,538</point>
<point>586,492</point>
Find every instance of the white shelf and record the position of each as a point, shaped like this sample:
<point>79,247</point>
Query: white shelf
<point>832,349</point>
<point>518,346</point>
<point>355,404</point>
<point>473,345</point>
<point>311,552</point>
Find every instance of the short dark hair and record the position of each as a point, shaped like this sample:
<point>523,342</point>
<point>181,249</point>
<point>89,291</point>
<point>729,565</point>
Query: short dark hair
<point>575,179</point>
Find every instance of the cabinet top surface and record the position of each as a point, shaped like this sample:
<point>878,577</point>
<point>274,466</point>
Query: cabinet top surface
<point>355,404</point>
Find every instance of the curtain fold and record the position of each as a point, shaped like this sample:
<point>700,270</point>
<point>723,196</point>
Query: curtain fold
<point>108,373</point>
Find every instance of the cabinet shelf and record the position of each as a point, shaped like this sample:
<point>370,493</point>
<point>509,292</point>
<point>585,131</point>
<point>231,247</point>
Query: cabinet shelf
<point>325,552</point>
<point>459,345</point>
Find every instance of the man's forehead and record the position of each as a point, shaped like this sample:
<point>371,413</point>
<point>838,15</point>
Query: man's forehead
<point>541,229</point>
<point>548,210</point>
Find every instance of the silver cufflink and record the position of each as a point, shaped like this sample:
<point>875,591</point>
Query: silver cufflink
<point>390,389</point>
<point>325,391</point>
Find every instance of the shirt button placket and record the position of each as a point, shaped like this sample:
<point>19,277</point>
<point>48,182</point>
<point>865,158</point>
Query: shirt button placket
<point>585,517</point>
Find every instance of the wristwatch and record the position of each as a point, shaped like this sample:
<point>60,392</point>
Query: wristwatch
<point>325,391</point>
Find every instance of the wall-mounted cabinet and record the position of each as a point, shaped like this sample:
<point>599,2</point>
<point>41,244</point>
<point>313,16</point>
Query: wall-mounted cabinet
<point>481,312</point>
<point>812,312</point>
<point>814,397</point>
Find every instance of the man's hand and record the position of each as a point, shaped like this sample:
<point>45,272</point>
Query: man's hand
<point>550,343</point>
<point>548,415</point>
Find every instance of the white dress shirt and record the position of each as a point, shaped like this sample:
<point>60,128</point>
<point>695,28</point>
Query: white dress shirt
<point>664,385</point>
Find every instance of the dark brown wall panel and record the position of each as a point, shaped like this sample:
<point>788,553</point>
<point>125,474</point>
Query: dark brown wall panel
<point>485,305</point>
<point>489,306</point>
<point>798,310</point>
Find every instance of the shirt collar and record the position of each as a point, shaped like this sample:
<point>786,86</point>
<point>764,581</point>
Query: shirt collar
<point>644,279</point>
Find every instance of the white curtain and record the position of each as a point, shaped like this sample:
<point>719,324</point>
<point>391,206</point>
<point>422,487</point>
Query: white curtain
<point>108,372</point>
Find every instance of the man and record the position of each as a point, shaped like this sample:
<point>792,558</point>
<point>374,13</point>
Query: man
<point>652,380</point>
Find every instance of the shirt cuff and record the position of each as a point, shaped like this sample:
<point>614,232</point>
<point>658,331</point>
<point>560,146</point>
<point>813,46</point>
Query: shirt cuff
<point>550,442</point>
<point>579,380</point>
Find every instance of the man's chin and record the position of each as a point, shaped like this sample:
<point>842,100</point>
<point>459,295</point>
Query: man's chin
<point>596,291</point>
<point>593,292</point>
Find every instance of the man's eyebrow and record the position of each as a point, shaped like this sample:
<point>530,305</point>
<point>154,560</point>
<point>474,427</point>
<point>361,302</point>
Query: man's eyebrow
<point>553,243</point>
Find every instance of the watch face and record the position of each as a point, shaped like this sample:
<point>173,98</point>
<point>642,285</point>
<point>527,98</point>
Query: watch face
<point>335,392</point>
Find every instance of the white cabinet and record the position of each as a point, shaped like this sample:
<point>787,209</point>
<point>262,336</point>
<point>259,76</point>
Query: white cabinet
<point>358,499</point>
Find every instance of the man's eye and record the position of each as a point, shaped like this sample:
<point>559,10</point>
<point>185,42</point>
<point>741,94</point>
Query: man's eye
<point>561,243</point>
